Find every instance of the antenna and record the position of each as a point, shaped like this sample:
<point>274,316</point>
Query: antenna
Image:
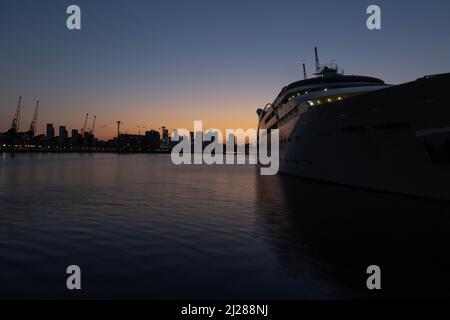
<point>305,76</point>
<point>16,121</point>
<point>317,60</point>
<point>33,124</point>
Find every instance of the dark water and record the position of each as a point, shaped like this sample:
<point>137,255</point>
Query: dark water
<point>140,227</point>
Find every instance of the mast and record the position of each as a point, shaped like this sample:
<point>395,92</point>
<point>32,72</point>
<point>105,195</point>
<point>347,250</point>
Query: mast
<point>305,76</point>
<point>317,60</point>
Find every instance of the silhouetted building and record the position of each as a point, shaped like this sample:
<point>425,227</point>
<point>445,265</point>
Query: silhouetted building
<point>152,139</point>
<point>131,143</point>
<point>75,134</point>
<point>165,136</point>
<point>63,134</point>
<point>50,131</point>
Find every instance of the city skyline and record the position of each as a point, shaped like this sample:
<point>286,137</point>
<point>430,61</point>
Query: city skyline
<point>153,63</point>
<point>91,126</point>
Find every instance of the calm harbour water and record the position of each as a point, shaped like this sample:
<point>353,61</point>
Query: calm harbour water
<point>141,227</point>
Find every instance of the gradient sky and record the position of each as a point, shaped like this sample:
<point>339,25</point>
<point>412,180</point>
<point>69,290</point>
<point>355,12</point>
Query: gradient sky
<point>153,63</point>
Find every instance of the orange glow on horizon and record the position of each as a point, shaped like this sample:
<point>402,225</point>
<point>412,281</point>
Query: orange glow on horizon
<point>140,112</point>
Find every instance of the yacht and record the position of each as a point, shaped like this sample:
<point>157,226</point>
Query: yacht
<point>360,131</point>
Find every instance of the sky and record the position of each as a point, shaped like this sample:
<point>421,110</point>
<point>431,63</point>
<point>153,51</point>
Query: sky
<point>167,63</point>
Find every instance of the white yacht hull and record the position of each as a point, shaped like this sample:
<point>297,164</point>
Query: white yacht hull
<point>396,139</point>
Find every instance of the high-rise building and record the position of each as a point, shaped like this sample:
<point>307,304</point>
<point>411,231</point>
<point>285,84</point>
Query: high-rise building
<point>63,134</point>
<point>165,136</point>
<point>50,131</point>
<point>75,134</point>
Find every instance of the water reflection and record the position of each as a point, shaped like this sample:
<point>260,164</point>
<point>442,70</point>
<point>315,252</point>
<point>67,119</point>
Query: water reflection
<point>142,227</point>
<point>348,229</point>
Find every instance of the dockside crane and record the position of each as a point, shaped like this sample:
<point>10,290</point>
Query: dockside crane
<point>93,126</point>
<point>16,121</point>
<point>85,124</point>
<point>33,125</point>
